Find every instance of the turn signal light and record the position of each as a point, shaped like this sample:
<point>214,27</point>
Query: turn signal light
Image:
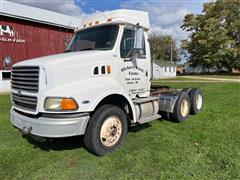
<point>68,104</point>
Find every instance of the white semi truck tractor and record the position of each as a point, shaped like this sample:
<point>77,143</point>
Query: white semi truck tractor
<point>98,87</point>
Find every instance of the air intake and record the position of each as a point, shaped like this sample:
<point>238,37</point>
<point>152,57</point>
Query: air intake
<point>25,78</point>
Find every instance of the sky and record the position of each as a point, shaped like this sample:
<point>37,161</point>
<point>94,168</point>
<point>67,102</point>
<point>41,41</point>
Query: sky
<point>166,16</point>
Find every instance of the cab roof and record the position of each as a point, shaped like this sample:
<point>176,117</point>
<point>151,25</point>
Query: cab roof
<point>127,16</point>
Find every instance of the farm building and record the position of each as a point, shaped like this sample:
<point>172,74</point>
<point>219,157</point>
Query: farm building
<point>163,69</point>
<point>189,69</point>
<point>27,32</point>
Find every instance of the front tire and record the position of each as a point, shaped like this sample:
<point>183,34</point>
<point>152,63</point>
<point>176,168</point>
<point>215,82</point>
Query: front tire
<point>106,130</point>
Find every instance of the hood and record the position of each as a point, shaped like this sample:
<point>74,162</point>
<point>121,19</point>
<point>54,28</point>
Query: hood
<point>62,69</point>
<point>69,58</point>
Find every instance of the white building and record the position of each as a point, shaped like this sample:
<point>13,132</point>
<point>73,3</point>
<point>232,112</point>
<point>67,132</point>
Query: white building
<point>164,69</point>
<point>200,69</point>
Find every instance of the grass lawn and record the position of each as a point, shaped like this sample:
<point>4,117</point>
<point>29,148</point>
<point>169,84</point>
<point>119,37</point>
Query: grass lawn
<point>206,146</point>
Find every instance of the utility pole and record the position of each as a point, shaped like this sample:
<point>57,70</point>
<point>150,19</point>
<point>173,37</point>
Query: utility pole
<point>171,51</point>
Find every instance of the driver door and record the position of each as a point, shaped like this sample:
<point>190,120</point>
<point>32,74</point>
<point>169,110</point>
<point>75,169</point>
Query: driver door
<point>134,70</point>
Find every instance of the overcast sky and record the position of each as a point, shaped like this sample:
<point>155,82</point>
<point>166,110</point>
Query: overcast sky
<point>165,15</point>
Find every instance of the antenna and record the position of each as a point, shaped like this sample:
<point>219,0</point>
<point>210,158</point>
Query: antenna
<point>68,27</point>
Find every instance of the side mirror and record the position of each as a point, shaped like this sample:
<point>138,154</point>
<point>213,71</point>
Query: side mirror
<point>7,61</point>
<point>138,45</point>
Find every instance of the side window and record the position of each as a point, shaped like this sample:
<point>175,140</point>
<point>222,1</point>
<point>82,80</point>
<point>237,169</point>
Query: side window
<point>127,43</point>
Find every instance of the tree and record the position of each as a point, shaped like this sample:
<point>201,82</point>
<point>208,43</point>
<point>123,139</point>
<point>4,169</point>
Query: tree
<point>215,35</point>
<point>161,47</point>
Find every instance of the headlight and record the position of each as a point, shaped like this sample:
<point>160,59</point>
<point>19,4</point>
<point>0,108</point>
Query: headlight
<point>60,104</point>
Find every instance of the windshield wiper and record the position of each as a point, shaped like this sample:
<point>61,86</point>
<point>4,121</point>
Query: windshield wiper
<point>85,49</point>
<point>68,50</point>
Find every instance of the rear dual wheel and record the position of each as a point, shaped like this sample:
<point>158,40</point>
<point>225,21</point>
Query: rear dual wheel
<point>181,108</point>
<point>188,102</point>
<point>197,100</point>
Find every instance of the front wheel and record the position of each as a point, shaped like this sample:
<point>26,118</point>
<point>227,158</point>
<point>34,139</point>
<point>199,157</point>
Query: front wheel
<point>106,130</point>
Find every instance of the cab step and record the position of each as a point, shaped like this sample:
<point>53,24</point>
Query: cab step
<point>148,119</point>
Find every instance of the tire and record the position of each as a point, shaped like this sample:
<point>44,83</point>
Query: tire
<point>196,100</point>
<point>181,108</point>
<point>106,130</point>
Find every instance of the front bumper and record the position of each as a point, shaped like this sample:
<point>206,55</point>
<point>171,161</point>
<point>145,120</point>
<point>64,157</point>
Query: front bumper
<point>51,126</point>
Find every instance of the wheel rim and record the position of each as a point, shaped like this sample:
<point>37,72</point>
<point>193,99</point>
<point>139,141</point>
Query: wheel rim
<point>199,101</point>
<point>111,131</point>
<point>184,108</point>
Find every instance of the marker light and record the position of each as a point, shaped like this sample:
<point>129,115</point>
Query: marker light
<point>60,104</point>
<point>108,69</point>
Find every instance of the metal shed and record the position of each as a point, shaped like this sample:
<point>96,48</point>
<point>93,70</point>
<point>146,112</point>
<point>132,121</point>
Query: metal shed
<point>163,69</point>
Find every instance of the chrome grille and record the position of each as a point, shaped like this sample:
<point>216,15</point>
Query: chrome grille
<point>24,102</point>
<point>25,78</point>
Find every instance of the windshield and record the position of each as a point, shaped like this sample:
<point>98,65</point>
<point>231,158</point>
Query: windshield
<point>96,38</point>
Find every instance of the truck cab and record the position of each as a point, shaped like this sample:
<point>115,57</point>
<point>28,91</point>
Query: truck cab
<point>98,87</point>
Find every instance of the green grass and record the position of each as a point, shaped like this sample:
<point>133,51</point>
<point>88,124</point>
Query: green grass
<point>206,146</point>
